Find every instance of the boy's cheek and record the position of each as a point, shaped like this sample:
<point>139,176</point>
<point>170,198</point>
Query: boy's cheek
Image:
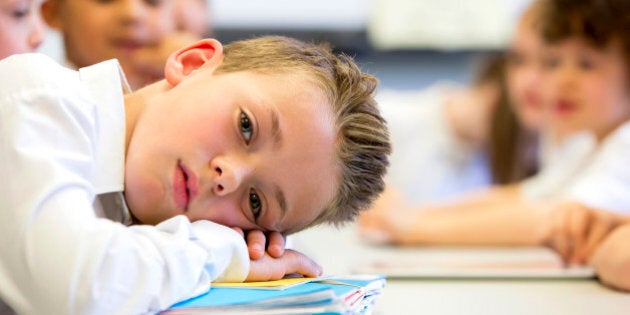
<point>224,214</point>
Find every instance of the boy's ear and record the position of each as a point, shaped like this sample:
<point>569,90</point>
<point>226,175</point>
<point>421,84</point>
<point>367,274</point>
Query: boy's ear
<point>50,13</point>
<point>206,54</point>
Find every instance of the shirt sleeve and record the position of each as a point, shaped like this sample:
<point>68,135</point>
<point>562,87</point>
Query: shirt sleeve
<point>605,184</point>
<point>56,255</point>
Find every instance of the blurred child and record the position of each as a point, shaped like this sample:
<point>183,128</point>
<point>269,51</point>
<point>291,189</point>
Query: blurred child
<point>220,142</point>
<point>510,85</point>
<point>585,89</point>
<point>192,16</point>
<point>452,128</point>
<point>21,27</point>
<point>129,30</point>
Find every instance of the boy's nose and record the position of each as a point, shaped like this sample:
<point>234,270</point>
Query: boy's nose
<point>228,175</point>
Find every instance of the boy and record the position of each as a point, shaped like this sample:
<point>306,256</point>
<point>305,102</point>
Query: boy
<point>269,134</point>
<point>21,27</point>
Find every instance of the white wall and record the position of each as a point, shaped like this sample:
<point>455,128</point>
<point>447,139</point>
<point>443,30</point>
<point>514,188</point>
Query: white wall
<point>445,24</point>
<point>391,24</point>
<point>291,14</point>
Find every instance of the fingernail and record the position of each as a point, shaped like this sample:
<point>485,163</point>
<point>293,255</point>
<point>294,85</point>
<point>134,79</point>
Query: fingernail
<point>257,248</point>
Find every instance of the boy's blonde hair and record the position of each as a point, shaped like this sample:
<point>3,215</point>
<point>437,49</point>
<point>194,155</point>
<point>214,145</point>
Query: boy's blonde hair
<point>363,140</point>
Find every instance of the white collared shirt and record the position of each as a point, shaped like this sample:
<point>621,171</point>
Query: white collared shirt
<point>583,170</point>
<point>605,183</point>
<point>561,164</point>
<point>62,138</point>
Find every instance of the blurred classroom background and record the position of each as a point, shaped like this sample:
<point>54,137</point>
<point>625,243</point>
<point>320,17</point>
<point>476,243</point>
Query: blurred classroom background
<point>407,44</point>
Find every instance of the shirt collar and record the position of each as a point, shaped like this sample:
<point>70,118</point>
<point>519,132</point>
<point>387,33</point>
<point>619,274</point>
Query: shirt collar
<point>105,84</point>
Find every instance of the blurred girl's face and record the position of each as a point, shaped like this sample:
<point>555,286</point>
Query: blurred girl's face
<point>524,74</point>
<point>21,27</point>
<point>96,30</point>
<point>586,87</point>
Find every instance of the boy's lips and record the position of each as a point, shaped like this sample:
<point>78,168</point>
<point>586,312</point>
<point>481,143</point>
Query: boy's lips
<point>184,186</point>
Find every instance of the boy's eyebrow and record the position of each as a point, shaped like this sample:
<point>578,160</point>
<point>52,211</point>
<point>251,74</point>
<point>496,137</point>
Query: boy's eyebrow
<point>282,202</point>
<point>275,127</point>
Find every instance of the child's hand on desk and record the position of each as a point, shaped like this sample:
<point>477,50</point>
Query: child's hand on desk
<point>274,268</point>
<point>575,231</point>
<point>611,259</point>
<point>390,220</point>
<point>257,242</point>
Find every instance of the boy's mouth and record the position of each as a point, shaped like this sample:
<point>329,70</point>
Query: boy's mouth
<point>184,186</point>
<point>180,188</point>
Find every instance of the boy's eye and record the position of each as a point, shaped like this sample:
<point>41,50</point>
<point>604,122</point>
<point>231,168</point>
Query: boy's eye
<point>254,203</point>
<point>246,127</point>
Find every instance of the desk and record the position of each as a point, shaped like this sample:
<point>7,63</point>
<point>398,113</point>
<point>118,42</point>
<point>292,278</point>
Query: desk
<point>337,250</point>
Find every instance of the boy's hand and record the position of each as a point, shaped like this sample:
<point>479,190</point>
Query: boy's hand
<point>257,241</point>
<point>271,268</point>
<point>575,230</point>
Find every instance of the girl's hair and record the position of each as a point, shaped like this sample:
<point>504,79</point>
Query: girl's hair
<point>599,22</point>
<point>511,148</point>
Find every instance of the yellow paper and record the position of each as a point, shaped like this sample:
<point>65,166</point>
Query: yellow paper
<point>275,284</point>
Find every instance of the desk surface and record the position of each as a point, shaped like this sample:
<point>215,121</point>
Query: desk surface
<point>338,250</point>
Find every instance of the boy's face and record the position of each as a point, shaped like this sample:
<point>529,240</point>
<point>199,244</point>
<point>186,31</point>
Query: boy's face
<point>586,87</point>
<point>524,73</point>
<point>21,27</point>
<point>96,30</point>
<point>241,149</point>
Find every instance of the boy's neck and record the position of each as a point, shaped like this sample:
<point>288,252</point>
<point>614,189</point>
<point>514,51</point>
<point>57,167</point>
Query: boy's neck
<point>135,103</point>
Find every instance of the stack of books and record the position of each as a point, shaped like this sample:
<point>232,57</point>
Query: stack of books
<point>351,294</point>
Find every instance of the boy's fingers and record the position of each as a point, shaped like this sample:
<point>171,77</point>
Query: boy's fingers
<point>256,244</point>
<point>300,263</point>
<point>276,245</point>
<point>238,230</point>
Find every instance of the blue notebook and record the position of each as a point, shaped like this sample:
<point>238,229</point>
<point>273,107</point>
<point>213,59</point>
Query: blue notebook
<point>333,295</point>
